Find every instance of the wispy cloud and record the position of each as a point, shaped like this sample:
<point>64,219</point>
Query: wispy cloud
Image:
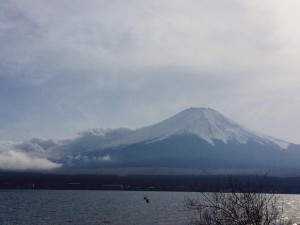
<point>105,158</point>
<point>16,159</point>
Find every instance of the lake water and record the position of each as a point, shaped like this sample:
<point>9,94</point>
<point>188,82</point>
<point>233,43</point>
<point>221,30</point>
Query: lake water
<point>54,207</point>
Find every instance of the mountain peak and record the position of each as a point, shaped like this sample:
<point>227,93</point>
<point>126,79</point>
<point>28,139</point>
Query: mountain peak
<point>197,110</point>
<point>198,113</point>
<point>208,124</point>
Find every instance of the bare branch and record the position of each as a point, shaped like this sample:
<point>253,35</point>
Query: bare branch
<point>250,207</point>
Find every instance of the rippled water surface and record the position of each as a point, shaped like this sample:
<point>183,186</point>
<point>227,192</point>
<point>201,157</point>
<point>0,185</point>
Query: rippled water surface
<point>42,207</point>
<point>91,207</point>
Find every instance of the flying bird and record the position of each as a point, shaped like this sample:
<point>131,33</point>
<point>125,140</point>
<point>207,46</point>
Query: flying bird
<point>146,199</point>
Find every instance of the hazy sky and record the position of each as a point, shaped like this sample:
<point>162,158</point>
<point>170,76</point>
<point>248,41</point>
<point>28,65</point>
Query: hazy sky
<point>68,66</point>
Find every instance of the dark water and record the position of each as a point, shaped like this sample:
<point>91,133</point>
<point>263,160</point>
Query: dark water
<point>33,207</point>
<point>42,207</point>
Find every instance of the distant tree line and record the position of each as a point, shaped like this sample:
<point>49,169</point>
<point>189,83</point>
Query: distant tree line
<point>138,182</point>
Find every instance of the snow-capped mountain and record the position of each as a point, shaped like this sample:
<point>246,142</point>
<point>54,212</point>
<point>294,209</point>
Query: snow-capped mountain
<point>204,123</point>
<point>196,138</point>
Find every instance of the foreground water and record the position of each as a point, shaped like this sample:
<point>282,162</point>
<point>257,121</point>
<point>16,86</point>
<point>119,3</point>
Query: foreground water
<point>42,207</point>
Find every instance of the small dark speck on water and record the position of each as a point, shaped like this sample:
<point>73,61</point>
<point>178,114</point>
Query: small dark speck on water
<point>146,199</point>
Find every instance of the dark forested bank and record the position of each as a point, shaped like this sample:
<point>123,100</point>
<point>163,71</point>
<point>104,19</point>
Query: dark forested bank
<point>26,180</point>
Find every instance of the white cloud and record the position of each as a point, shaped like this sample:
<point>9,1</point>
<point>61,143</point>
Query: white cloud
<point>14,159</point>
<point>104,158</point>
<point>110,40</point>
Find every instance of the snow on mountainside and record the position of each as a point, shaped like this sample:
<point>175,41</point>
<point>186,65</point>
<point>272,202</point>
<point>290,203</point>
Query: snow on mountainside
<point>205,123</point>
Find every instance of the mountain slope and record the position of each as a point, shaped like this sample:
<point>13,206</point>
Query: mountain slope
<point>194,138</point>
